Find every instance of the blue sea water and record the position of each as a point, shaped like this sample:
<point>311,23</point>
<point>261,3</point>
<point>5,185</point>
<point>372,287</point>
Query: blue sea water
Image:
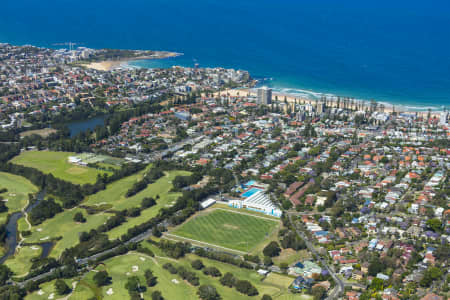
<point>391,51</point>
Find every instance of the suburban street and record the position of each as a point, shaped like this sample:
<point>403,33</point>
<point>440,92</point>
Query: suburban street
<point>339,288</point>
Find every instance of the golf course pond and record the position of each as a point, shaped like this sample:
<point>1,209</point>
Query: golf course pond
<point>11,232</point>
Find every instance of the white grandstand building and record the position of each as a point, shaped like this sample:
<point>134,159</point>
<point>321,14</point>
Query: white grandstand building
<point>259,202</point>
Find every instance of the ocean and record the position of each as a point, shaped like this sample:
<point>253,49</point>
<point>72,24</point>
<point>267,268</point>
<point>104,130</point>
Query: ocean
<point>389,51</point>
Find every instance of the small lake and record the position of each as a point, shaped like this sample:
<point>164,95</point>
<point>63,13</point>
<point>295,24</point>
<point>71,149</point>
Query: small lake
<point>76,127</point>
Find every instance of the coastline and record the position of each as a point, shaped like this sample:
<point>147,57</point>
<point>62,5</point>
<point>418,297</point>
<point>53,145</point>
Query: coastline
<point>312,95</point>
<point>108,65</point>
<point>292,98</point>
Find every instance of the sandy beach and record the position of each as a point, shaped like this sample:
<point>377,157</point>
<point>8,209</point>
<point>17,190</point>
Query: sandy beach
<point>388,108</point>
<point>108,65</point>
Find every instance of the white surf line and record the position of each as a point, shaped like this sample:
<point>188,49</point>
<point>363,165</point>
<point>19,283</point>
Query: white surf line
<point>200,242</point>
<point>246,214</point>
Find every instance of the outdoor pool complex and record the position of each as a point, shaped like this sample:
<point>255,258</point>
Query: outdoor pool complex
<point>250,192</point>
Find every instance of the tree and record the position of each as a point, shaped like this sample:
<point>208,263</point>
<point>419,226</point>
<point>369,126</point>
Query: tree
<point>208,292</point>
<point>377,284</point>
<point>318,292</point>
<point>156,295</point>
<point>435,225</point>
<point>61,287</point>
<point>197,264</point>
<point>150,279</point>
<point>375,267</point>
<point>78,217</point>
<point>133,284</point>
<point>267,261</point>
<point>31,286</point>
<point>148,202</point>
<point>5,273</point>
<point>271,250</point>
<point>228,280</point>
<point>266,297</point>
<point>102,278</point>
<point>245,287</point>
<point>284,266</point>
<point>431,274</point>
<point>212,271</point>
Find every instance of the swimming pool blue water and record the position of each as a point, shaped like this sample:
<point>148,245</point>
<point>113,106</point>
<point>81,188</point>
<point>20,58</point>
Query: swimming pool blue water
<point>250,183</point>
<point>250,192</point>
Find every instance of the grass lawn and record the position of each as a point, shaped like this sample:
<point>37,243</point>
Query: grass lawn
<point>135,264</point>
<point>20,263</point>
<point>57,164</point>
<point>161,187</point>
<point>47,291</point>
<point>17,194</point>
<point>228,229</point>
<point>114,193</point>
<point>45,132</point>
<point>290,256</point>
<point>63,225</point>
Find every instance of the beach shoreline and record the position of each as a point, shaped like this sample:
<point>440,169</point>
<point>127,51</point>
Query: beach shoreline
<point>108,65</point>
<point>291,98</point>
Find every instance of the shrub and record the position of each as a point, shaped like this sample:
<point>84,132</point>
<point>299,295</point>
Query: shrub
<point>212,271</point>
<point>197,264</point>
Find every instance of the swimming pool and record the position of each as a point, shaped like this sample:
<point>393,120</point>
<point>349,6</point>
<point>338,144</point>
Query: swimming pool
<point>250,183</point>
<point>250,192</point>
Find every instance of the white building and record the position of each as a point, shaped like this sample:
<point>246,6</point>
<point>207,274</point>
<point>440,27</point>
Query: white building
<point>259,202</point>
<point>207,203</point>
<point>264,95</point>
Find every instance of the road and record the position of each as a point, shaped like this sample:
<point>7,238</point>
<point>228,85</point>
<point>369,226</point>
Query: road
<point>339,289</point>
<point>156,155</point>
<point>84,261</point>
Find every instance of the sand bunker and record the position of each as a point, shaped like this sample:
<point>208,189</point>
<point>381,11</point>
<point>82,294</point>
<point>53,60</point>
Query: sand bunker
<point>109,291</point>
<point>135,268</point>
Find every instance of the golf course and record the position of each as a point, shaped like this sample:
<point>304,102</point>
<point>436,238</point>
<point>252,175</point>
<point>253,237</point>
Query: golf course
<point>171,286</point>
<point>16,196</point>
<point>58,165</point>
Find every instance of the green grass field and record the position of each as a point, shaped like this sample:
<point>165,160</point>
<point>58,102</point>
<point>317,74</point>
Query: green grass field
<point>228,229</point>
<point>47,291</point>
<point>63,225</point>
<point>57,164</point>
<point>20,263</point>
<point>161,187</point>
<point>171,286</point>
<point>114,195</point>
<point>17,194</point>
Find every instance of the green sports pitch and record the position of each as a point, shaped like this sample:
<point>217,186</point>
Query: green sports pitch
<point>228,229</point>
